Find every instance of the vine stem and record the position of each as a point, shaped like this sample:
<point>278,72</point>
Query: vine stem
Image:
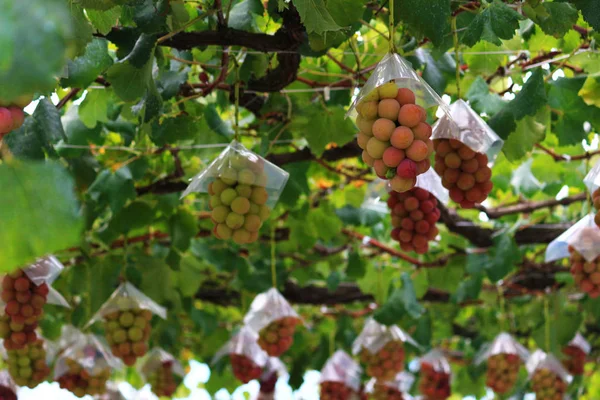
<point>547,323</point>
<point>237,100</point>
<point>456,55</point>
<point>392,28</point>
<point>502,308</point>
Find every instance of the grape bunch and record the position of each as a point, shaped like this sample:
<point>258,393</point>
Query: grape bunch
<point>385,392</point>
<point>586,274</point>
<point>386,363</point>
<point>414,215</point>
<point>238,200</point>
<point>394,135</point>
<point>24,308</point>
<point>502,372</point>
<point>547,385</point>
<point>163,381</point>
<point>335,391</point>
<point>464,172</point>
<point>28,365</point>
<point>434,385</point>
<point>596,200</point>
<point>81,382</point>
<point>127,331</point>
<point>574,360</point>
<point>244,369</point>
<point>11,114</point>
<point>277,337</point>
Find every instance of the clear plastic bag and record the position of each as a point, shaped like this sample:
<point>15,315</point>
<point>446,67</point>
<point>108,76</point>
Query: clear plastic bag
<point>8,388</point>
<point>237,157</point>
<point>465,125</point>
<point>431,182</point>
<point>247,359</point>
<point>397,388</point>
<point>543,368</point>
<point>435,375</point>
<point>274,320</point>
<point>128,297</point>
<point>504,343</point>
<point>376,195</point>
<point>342,368</point>
<point>592,179</point>
<point>163,372</point>
<point>584,237</point>
<point>393,67</point>
<point>381,349</point>
<point>57,299</point>
<point>30,365</point>
<point>575,354</point>
<point>156,358</point>
<point>44,270</point>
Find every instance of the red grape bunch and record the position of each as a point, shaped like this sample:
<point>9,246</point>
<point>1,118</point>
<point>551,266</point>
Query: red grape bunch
<point>574,360</point>
<point>238,200</point>
<point>11,114</point>
<point>163,381</point>
<point>547,385</point>
<point>502,372</point>
<point>277,337</point>
<point>586,274</point>
<point>128,330</point>
<point>28,365</point>
<point>81,382</point>
<point>414,215</point>
<point>464,172</point>
<point>24,308</point>
<point>385,363</point>
<point>434,385</point>
<point>335,391</point>
<point>382,391</point>
<point>394,135</point>
<point>244,369</point>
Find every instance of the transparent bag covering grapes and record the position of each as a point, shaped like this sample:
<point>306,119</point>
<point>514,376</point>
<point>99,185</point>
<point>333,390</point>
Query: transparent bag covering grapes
<point>401,383</point>
<point>244,344</point>
<point>393,67</point>
<point>465,125</point>
<point>237,164</point>
<point>90,353</point>
<point>342,368</point>
<point>268,307</point>
<point>584,237</point>
<point>540,360</point>
<point>436,359</point>
<point>504,343</point>
<point>375,336</point>
<point>592,179</point>
<point>156,358</point>
<point>580,342</point>
<point>128,297</point>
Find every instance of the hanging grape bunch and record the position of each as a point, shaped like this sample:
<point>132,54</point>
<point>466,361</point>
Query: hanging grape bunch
<point>382,391</point>
<point>238,199</point>
<point>244,369</point>
<point>81,382</point>
<point>434,385</point>
<point>11,114</point>
<point>335,391</point>
<point>596,200</point>
<point>24,308</point>
<point>414,215</point>
<point>394,135</point>
<point>464,172</point>
<point>574,360</point>
<point>128,330</point>
<point>163,380</point>
<point>28,365</point>
<point>277,337</point>
<point>547,385</point>
<point>586,274</point>
<point>385,363</point>
<point>502,372</point>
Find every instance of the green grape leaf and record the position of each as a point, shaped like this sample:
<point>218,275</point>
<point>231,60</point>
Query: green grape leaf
<point>85,69</point>
<point>243,13</point>
<point>94,107</point>
<point>103,21</point>
<point>40,213</point>
<point>497,21</point>
<point>590,9</point>
<point>129,82</point>
<point>529,131</point>
<point>503,257</point>
<point>554,18</point>
<point>430,18</point>
<point>315,16</point>
<point>482,100</point>
<point>356,267</point>
<point>113,189</point>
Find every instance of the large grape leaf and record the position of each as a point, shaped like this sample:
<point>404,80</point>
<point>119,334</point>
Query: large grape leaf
<point>530,130</point>
<point>554,18</point>
<point>34,39</point>
<point>315,16</point>
<point>590,10</point>
<point>429,18</point>
<point>497,21</point>
<point>85,69</point>
<point>482,100</point>
<point>243,13</point>
<point>39,212</point>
